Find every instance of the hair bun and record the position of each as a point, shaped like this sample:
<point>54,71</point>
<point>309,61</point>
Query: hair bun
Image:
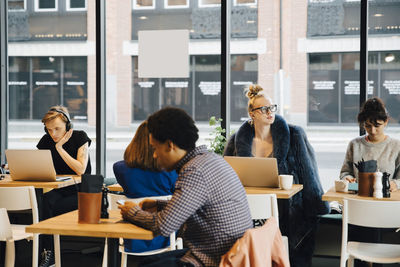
<point>253,91</point>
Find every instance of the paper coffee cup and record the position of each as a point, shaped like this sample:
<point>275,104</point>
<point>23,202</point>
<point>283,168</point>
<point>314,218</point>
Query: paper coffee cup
<point>285,181</point>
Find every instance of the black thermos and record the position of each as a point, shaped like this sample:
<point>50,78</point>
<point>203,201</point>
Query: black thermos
<point>386,185</point>
<point>104,203</point>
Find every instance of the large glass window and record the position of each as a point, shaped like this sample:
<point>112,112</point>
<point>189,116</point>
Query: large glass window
<point>144,4</point>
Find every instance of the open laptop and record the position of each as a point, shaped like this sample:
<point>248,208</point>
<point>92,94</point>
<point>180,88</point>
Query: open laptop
<point>32,165</point>
<point>253,171</point>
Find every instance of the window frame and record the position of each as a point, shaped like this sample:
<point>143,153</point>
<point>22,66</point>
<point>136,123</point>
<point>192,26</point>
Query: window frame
<point>235,3</point>
<point>18,10</point>
<point>37,9</point>
<point>166,6</point>
<point>201,5</point>
<point>69,8</point>
<point>136,7</point>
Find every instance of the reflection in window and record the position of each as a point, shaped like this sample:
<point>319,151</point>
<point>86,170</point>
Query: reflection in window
<point>76,5</point>
<point>16,5</point>
<point>46,84</point>
<point>209,3</point>
<point>143,4</point>
<point>390,83</point>
<point>19,88</point>
<point>45,5</point>
<point>176,3</point>
<point>337,17</point>
<point>75,87</point>
<point>323,88</point>
<point>244,71</point>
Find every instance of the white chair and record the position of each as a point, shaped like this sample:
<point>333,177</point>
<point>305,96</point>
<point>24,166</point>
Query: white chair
<point>369,213</point>
<point>7,236</point>
<point>264,206</point>
<point>174,243</point>
<point>17,199</point>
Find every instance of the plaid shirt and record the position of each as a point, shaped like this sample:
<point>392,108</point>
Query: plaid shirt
<point>209,201</point>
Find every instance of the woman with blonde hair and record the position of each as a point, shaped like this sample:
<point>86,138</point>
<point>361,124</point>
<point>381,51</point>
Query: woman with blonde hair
<point>140,176</point>
<point>267,134</point>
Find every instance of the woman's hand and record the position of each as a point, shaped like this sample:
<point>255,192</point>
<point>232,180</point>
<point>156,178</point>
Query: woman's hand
<point>393,186</point>
<point>350,179</point>
<point>126,208</point>
<point>64,139</point>
<point>149,205</point>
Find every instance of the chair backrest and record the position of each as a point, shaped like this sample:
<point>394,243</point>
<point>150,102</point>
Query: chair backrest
<point>19,198</point>
<point>372,213</point>
<point>263,206</point>
<point>5,227</point>
<point>113,198</point>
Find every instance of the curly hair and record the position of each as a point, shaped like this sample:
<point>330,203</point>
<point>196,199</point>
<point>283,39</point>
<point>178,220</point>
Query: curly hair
<point>373,110</point>
<point>176,125</point>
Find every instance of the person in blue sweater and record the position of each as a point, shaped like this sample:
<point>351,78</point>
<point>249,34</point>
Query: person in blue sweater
<point>140,176</point>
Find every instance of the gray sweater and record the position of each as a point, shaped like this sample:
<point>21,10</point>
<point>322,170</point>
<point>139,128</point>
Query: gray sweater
<point>386,153</point>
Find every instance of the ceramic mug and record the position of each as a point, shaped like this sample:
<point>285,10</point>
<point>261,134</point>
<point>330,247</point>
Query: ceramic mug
<point>285,181</point>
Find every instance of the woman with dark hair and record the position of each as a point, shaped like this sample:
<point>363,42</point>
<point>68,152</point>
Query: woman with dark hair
<point>375,145</point>
<point>140,176</point>
<point>267,134</point>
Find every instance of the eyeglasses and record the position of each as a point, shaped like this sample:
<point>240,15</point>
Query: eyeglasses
<point>266,109</point>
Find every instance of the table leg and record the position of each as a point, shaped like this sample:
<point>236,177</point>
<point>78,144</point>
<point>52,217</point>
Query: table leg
<point>57,250</point>
<point>113,253</point>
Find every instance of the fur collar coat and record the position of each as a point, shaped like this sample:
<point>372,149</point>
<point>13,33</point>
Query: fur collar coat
<point>295,156</point>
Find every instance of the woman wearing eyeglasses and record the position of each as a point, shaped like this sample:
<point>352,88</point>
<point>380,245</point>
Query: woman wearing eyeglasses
<point>267,134</point>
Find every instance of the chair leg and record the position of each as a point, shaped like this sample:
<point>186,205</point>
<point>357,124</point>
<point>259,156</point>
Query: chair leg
<point>105,253</point>
<point>350,262</point>
<point>10,254</point>
<point>35,250</point>
<point>124,259</point>
<point>57,251</point>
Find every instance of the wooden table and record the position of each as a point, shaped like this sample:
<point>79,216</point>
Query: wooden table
<point>39,186</point>
<point>7,182</point>
<point>280,194</point>
<point>332,195</point>
<point>112,228</point>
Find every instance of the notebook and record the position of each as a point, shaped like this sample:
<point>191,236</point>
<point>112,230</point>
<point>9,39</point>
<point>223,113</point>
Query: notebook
<point>254,171</point>
<point>32,165</point>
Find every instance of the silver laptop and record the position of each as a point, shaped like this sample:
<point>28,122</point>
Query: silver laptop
<point>253,171</point>
<point>32,165</point>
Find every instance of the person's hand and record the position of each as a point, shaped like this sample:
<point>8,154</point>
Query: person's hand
<point>126,208</point>
<point>350,179</point>
<point>393,186</point>
<point>149,205</point>
<point>64,139</point>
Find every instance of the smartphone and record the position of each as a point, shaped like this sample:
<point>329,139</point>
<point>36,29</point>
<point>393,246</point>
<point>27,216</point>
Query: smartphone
<point>121,202</point>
